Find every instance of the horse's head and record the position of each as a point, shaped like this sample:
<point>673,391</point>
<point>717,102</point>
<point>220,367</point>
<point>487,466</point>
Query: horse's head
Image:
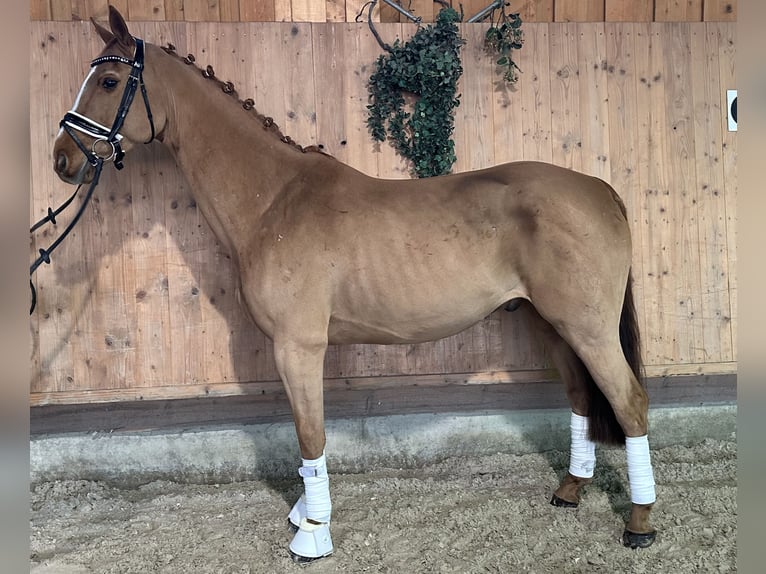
<point>106,120</point>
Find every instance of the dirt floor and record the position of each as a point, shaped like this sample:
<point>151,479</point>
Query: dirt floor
<point>466,515</point>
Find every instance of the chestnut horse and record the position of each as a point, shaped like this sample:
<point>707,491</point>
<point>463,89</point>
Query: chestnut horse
<point>328,255</point>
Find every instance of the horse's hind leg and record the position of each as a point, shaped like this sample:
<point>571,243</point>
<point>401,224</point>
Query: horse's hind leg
<point>299,361</point>
<point>578,385</point>
<point>606,362</point>
<point>604,349</point>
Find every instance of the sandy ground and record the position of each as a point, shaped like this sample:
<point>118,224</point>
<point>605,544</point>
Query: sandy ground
<point>466,515</point>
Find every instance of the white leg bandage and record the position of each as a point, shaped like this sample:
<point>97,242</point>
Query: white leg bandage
<point>582,454</point>
<point>640,474</point>
<point>317,484</point>
<point>311,514</point>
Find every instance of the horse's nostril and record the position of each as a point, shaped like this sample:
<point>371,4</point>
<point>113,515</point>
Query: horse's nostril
<point>61,162</point>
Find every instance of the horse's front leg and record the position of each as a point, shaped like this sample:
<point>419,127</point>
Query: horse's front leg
<point>300,362</point>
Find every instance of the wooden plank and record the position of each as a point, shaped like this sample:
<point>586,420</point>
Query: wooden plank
<point>147,10</point>
<point>726,34</point>
<point>336,10</point>
<point>679,131</point>
<point>132,416</point>
<point>578,11</point>
<point>174,10</point>
<point>678,10</point>
<point>40,10</point>
<point>229,10</point>
<point>51,86</point>
<point>298,78</point>
<point>283,10</point>
<point>719,10</point>
<point>329,87</point>
<point>507,109</point>
<point>201,11</point>
<point>309,11</point>
<point>85,9</point>
<point>566,133</point>
<point>362,50</point>
<point>61,10</point>
<point>629,11</point>
<point>257,11</point>
<point>709,108</point>
<point>474,145</point>
<point>660,345</point>
<point>536,94</point>
<point>534,10</point>
<point>623,142</point>
<point>594,105</point>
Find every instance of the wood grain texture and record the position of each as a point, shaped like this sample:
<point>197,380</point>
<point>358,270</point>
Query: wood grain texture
<point>719,10</point>
<point>578,10</point>
<point>628,11</point>
<point>678,10</point>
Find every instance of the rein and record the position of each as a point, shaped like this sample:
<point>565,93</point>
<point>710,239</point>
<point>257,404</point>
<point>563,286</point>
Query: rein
<point>97,154</point>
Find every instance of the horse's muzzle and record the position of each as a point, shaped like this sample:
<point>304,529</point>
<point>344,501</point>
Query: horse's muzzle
<point>70,172</point>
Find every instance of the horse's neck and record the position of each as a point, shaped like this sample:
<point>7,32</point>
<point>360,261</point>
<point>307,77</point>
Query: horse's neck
<point>235,167</point>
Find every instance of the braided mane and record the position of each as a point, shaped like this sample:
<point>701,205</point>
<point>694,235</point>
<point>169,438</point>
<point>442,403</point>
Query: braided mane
<point>248,104</point>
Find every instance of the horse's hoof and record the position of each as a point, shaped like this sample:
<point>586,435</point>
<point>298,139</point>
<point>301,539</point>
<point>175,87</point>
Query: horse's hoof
<point>561,503</point>
<point>635,540</point>
<point>305,559</point>
<point>293,528</point>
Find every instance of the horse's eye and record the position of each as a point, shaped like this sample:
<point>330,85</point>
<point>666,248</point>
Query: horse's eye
<point>109,83</point>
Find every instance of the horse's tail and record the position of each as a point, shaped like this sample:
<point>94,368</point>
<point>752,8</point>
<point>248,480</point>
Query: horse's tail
<point>604,427</point>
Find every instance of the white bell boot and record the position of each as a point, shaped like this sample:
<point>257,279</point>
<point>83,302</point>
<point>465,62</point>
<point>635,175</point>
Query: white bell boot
<point>311,542</point>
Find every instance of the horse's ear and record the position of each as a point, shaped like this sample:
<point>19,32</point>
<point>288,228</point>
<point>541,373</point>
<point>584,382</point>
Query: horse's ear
<point>105,34</point>
<point>119,28</point>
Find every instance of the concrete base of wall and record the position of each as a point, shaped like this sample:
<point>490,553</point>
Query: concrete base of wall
<point>234,453</point>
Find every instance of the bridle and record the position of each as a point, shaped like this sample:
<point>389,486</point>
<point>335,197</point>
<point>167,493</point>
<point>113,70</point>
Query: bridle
<point>105,147</point>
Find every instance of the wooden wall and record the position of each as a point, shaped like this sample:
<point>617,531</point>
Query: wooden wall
<point>347,10</point>
<point>139,301</point>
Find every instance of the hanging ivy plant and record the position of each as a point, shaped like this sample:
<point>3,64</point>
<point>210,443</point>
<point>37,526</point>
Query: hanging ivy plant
<point>427,66</point>
<point>503,37</point>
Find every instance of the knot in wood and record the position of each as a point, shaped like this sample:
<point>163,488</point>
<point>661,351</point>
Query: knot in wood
<point>248,104</point>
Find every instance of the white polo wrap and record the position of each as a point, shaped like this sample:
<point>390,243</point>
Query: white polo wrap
<point>317,485</point>
<point>582,454</point>
<point>640,474</point>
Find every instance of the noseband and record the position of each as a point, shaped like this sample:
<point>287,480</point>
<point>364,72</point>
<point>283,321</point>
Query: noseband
<point>105,147</point>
